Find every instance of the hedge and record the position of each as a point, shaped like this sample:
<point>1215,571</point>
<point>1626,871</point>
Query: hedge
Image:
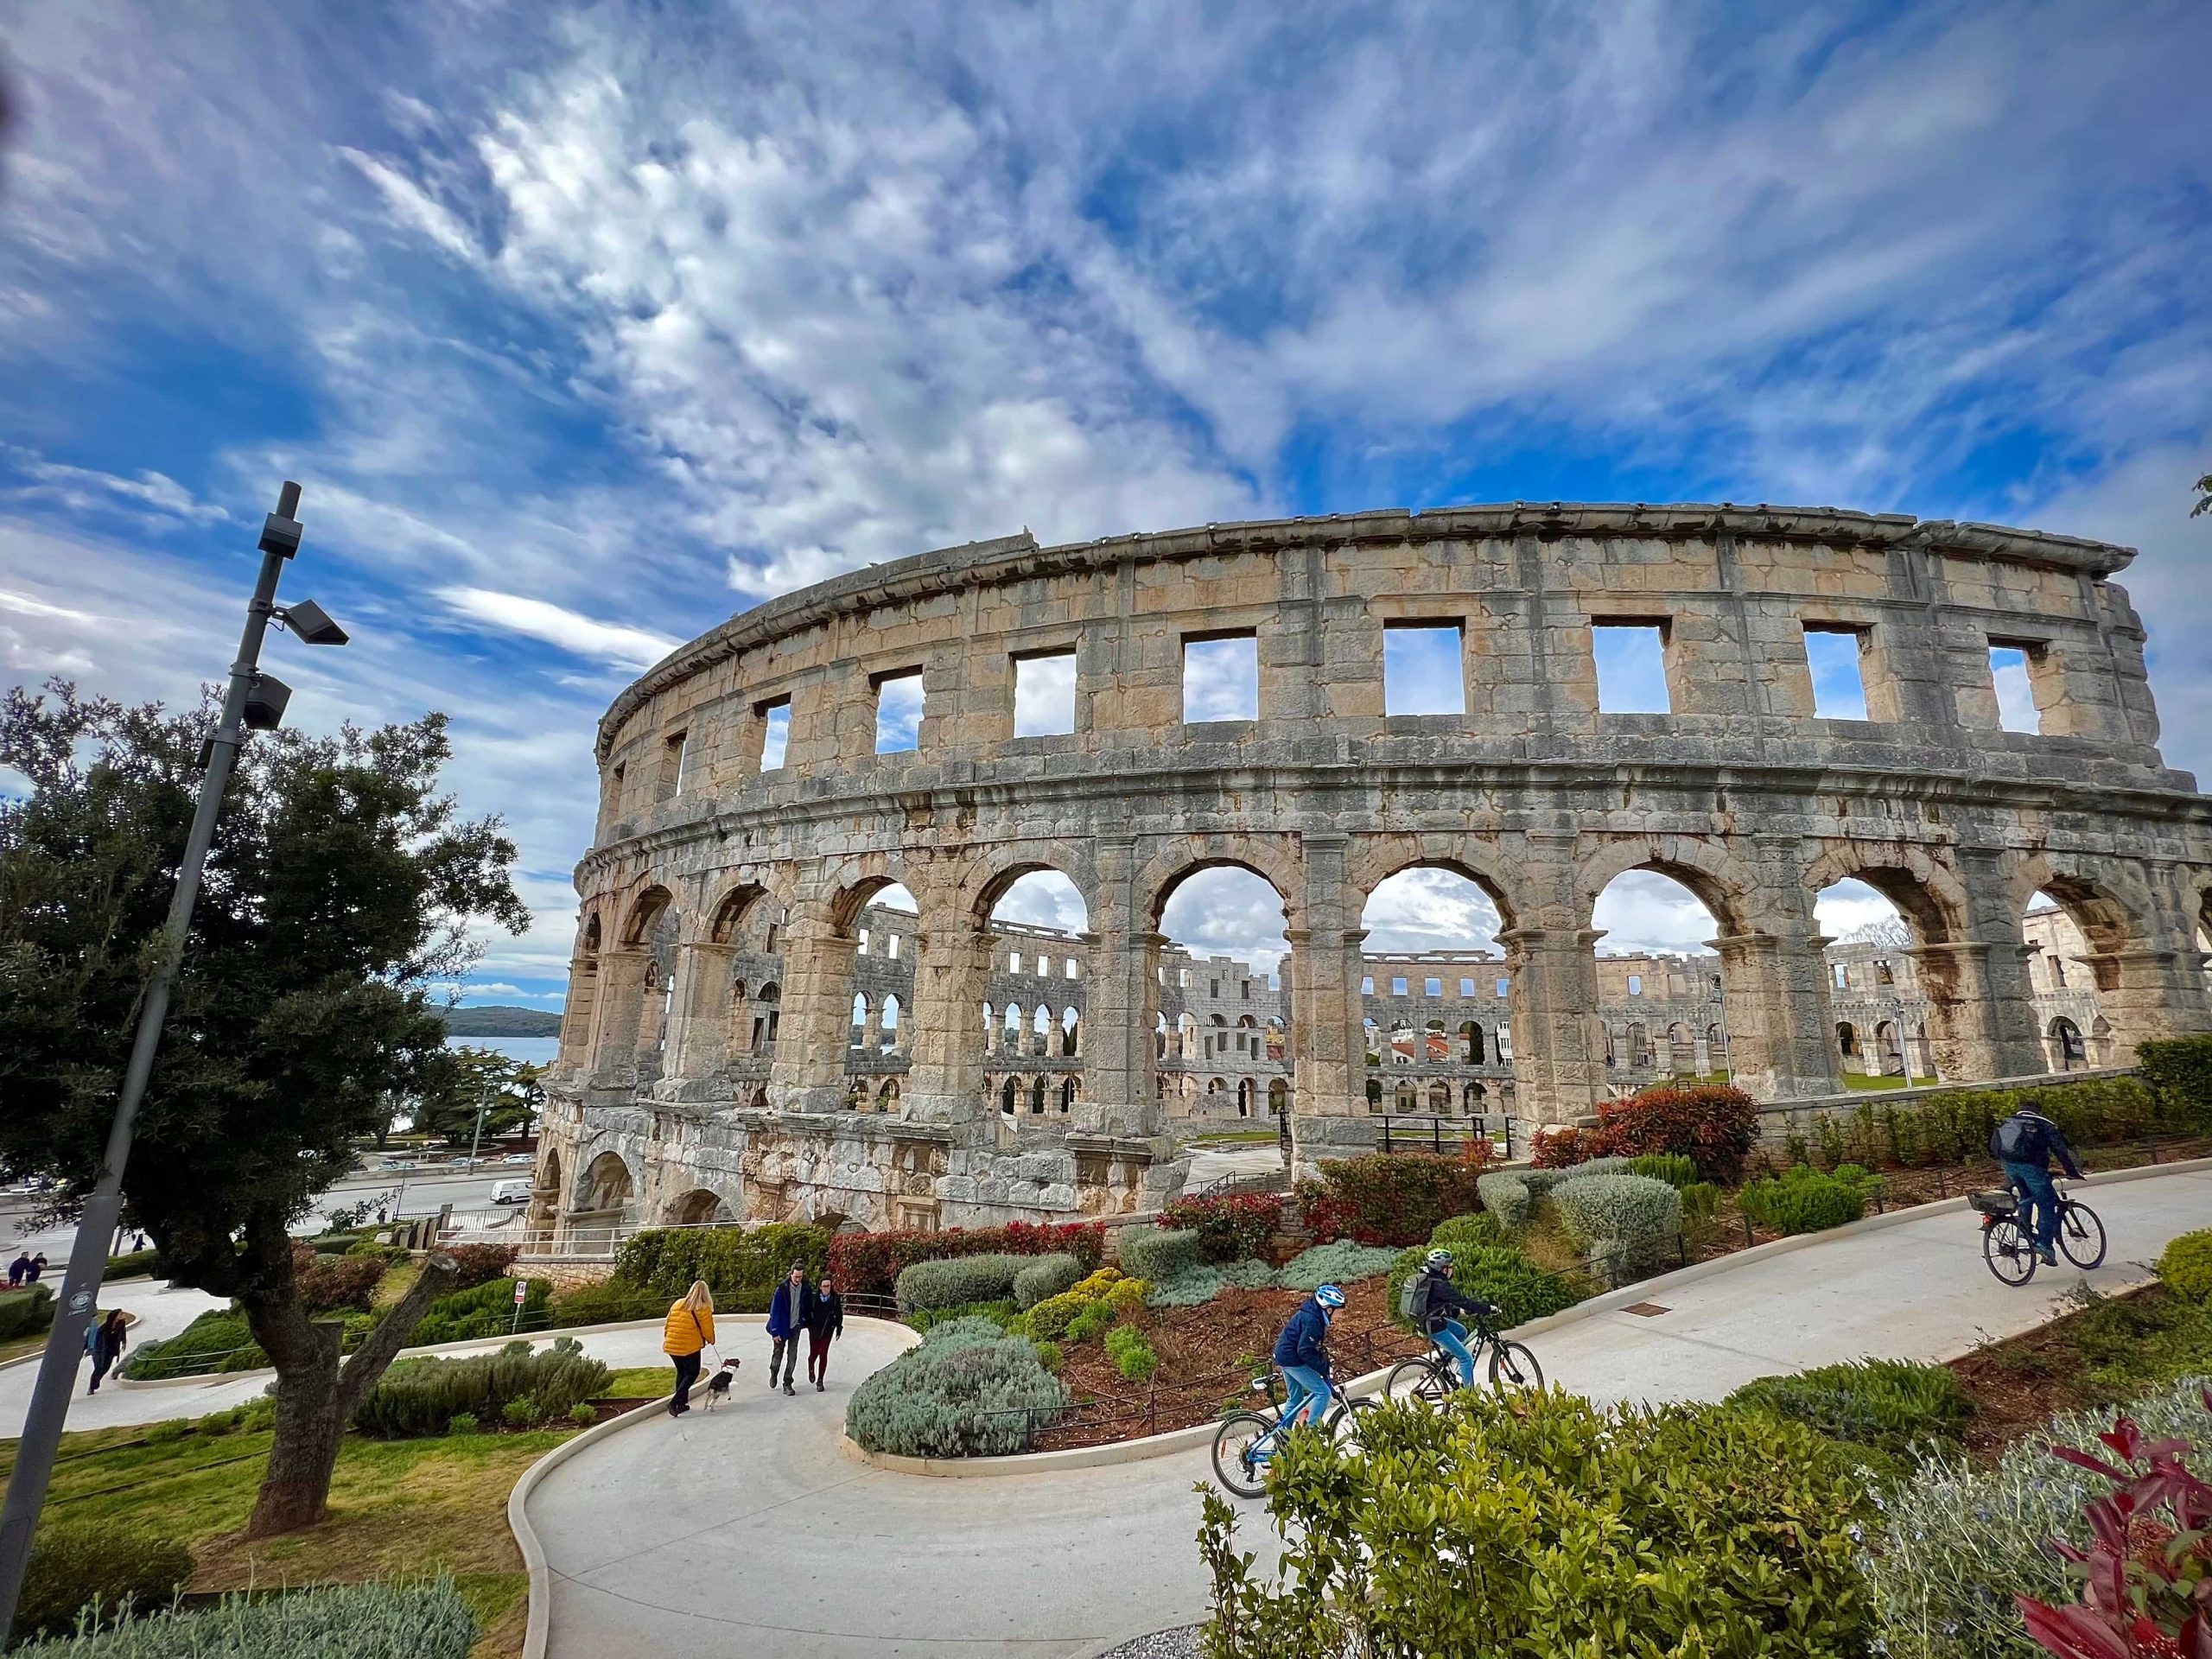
<point>354,1621</point>
<point>1512,1194</point>
<point>420,1396</point>
<point>959,1281</point>
<point>26,1312</point>
<point>968,1389</point>
<point>1045,1277</point>
<point>1713,1125</point>
<point>1804,1200</point>
<point>218,1340</point>
<point>1158,1253</point>
<point>1628,1223</point>
<point>1342,1262</point>
<point>2179,1072</point>
<point>129,1265</point>
<point>488,1310</point>
<point>1891,1406</point>
<point>1234,1228</point>
<point>2185,1265</point>
<point>741,1265</point>
<point>870,1264</point>
<point>94,1569</point>
<point>1497,1274</point>
<point>1389,1198</point>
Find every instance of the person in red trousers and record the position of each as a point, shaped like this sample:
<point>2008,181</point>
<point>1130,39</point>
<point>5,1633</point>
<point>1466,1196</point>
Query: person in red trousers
<point>825,1323</point>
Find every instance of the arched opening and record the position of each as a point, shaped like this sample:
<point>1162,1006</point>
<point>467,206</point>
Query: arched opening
<point>2070,934</point>
<point>1278,1096</point>
<point>646,979</point>
<point>1071,1091</point>
<point>1874,924</point>
<point>1008,1098</point>
<point>1071,1034</point>
<point>2068,1049</point>
<point>759,1100</point>
<point>1657,970</point>
<point>1434,978</point>
<point>1034,921</point>
<point>700,1208</point>
<point>582,1002</point>
<point>859,1019</point>
<point>745,926</point>
<point>767,1014</point>
<point>890,1027</point>
<point>1243,1097</point>
<point>545,1201</point>
<point>603,1204</point>
<point>878,917</point>
<point>886,1096</point>
<point>1219,981</point>
<point>1847,1042</point>
<point>1439,1097</point>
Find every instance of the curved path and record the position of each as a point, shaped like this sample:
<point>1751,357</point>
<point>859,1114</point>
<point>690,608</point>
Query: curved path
<point>748,1531</point>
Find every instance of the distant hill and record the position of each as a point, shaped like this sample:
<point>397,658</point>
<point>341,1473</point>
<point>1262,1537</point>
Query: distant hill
<point>497,1020</point>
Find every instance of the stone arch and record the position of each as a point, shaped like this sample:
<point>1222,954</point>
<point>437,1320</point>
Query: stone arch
<point>2067,1047</point>
<point>1715,876</point>
<point>727,908</point>
<point>1272,858</point>
<point>1927,892</point>
<point>853,883</point>
<point>700,1207</point>
<point>643,914</point>
<point>988,879</point>
<point>2105,901</point>
<point>1374,859</point>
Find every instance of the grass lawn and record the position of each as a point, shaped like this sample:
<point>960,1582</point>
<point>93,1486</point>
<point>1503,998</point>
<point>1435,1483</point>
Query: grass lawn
<point>16,1347</point>
<point>398,1507</point>
<point>641,1382</point>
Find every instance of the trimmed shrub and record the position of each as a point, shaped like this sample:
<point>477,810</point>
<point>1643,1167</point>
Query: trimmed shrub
<point>965,1279</point>
<point>1578,1515</point>
<point>1158,1253</point>
<point>1233,1227</point>
<point>2179,1072</point>
<point>1804,1200</point>
<point>26,1312</point>
<point>1497,1274</point>
<point>871,1263</point>
<point>93,1569</point>
<point>1629,1223</point>
<point>1131,1353</point>
<point>1340,1263</point>
<point>584,1415</point>
<point>1047,1277</point>
<point>420,1397</point>
<point>328,1283</point>
<point>1711,1124</point>
<point>741,1265</point>
<point>486,1311</point>
<point>969,1390</point>
<point>1564,1149</point>
<point>2185,1265</point>
<point>336,1242</point>
<point>466,1423</point>
<point>1389,1199</point>
<point>1892,1406</point>
<point>481,1263</point>
<point>1050,1356</point>
<point>1700,1202</point>
<point>352,1621</point>
<point>375,1250</point>
<point>1188,1288</point>
<point>1507,1195</point>
<point>129,1265</point>
<point>1671,1167</point>
<point>218,1340</point>
<point>608,1303</point>
<point>1079,1314</point>
<point>1001,1314</point>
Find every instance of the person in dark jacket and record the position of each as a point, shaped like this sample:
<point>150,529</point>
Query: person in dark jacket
<point>1435,1299</point>
<point>2025,1144</point>
<point>823,1326</point>
<point>104,1342</point>
<point>790,1311</point>
<point>36,1270</point>
<point>1302,1351</point>
<point>18,1269</point>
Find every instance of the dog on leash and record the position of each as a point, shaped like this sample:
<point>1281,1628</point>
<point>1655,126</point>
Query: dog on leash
<point>718,1384</point>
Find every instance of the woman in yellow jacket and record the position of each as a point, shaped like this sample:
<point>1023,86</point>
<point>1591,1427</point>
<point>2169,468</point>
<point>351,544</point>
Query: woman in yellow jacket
<point>690,1328</point>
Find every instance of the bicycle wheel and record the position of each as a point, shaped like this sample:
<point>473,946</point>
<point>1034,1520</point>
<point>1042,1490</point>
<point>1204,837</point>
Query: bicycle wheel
<point>1344,1422</point>
<point>1234,1443</point>
<point>2080,1235</point>
<point>1416,1379</point>
<point>2005,1246</point>
<point>1513,1368</point>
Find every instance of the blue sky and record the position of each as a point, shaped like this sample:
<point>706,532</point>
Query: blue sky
<point>585,326</point>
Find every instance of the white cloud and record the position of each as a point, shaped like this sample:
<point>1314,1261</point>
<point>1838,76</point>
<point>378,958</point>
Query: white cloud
<point>538,620</point>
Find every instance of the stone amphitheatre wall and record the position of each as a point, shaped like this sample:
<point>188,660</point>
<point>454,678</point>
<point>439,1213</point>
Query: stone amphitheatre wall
<point>661,1109</point>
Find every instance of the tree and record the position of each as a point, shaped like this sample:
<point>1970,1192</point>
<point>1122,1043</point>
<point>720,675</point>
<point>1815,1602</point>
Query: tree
<point>340,883</point>
<point>2204,496</point>
<point>506,1091</point>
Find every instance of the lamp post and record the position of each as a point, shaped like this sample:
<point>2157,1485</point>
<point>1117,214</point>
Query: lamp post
<point>254,701</point>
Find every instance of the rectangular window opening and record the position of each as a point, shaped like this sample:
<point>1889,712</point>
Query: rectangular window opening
<point>1834,656</point>
<point>2010,672</point>
<point>1044,694</point>
<point>1466,988</point>
<point>1631,668</point>
<point>1501,984</point>
<point>1397,987</point>
<point>898,711</point>
<point>775,733</point>
<point>1421,669</point>
<point>671,767</point>
<point>1432,988</point>
<point>1221,678</point>
<point>1367,986</point>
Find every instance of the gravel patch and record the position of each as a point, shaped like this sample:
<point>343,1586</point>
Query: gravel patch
<point>1181,1643</point>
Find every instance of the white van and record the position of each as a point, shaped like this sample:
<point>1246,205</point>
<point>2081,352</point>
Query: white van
<point>510,1192</point>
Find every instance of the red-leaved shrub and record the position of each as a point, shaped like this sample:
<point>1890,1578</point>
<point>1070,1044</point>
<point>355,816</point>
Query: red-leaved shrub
<point>479,1264</point>
<point>329,1282</point>
<point>1563,1148</point>
<point>1713,1125</point>
<point>1235,1227</point>
<point>870,1264</point>
<point>1389,1197</point>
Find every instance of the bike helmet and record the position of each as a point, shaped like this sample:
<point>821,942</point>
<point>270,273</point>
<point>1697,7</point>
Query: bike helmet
<point>1439,1260</point>
<point>1329,1296</point>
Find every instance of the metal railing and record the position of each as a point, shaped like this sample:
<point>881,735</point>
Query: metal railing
<point>1402,1132</point>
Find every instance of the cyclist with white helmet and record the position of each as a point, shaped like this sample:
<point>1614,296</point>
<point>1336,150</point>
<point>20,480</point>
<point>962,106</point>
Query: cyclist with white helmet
<point>1302,1350</point>
<point>1431,1299</point>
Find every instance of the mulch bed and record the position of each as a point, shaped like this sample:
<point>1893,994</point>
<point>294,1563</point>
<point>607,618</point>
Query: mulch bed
<point>2019,1383</point>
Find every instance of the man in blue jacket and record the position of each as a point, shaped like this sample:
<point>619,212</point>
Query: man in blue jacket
<point>2025,1144</point>
<point>1302,1350</point>
<point>789,1310</point>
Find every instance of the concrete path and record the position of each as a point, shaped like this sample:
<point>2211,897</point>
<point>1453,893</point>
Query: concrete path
<point>748,1532</point>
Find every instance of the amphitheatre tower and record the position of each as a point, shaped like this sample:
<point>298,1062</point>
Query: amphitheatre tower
<point>747,818</point>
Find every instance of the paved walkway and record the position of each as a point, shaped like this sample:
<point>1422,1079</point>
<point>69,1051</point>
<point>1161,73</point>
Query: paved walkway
<point>747,1530</point>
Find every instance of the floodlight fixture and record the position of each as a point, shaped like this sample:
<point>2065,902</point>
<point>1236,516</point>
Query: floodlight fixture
<point>264,703</point>
<point>311,625</point>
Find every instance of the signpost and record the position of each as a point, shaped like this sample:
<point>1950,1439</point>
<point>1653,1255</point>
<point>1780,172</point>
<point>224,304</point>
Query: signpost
<point>522,1294</point>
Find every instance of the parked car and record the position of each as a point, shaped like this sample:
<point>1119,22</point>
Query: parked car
<point>525,1158</point>
<point>512,1192</point>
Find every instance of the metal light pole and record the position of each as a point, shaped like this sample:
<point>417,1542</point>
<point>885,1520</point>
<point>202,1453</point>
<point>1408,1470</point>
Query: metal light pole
<point>254,702</point>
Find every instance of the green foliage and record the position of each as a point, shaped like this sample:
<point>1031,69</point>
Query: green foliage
<point>338,1242</point>
<point>1959,1541</point>
<point>1804,1200</point>
<point>1512,1194</point>
<point>871,1263</point>
<point>741,1265</point>
<point>97,1570</point>
<point>421,1396</point>
<point>1495,1273</point>
<point>521,1414</point>
<point>1207,1280</point>
<point>218,1340</point>
<point>969,1390</point>
<point>1340,1263</point>
<point>1001,1314</point>
<point>2185,1265</point>
<point>1050,1356</point>
<point>1893,1406</point>
<point>1235,1227</point>
<point>1715,1125</point>
<point>1596,1531</point>
<point>1083,1313</point>
<point>2179,1070</point>
<point>1672,1168</point>
<point>1477,1231</point>
<point>1389,1199</point>
<point>1132,1354</point>
<point>1700,1202</point>
<point>584,1415</point>
<point>1629,1223</point>
<point>2128,1343</point>
<point>329,1283</point>
<point>354,1621</point>
<point>1045,1276</point>
<point>462,1423</point>
<point>131,1264</point>
<point>26,1312</point>
<point>607,1303</point>
<point>962,1280</point>
<point>1158,1253</point>
<point>488,1310</point>
<point>507,1092</point>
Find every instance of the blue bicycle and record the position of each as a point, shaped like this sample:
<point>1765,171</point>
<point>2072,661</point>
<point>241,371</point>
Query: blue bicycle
<point>1245,1444</point>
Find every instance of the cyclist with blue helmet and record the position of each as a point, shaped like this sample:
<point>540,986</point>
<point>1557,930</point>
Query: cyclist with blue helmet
<point>1302,1350</point>
<point>1431,1299</point>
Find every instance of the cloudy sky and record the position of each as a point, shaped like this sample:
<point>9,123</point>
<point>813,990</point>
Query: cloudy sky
<point>585,326</point>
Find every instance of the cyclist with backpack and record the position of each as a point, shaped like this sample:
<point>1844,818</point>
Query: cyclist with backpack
<point>2025,1144</point>
<point>1430,1299</point>
<point>1302,1350</point>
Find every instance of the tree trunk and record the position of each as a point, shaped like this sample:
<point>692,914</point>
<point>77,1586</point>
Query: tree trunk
<point>315,1397</point>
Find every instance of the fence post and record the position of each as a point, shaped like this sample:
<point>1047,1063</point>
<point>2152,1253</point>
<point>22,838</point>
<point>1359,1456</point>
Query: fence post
<point>1386,1132</point>
<point>1509,1140</point>
<point>1750,1239</point>
<point>1436,1135</point>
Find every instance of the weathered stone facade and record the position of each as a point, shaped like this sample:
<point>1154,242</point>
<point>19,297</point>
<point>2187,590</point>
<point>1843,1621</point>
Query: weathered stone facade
<point>661,1104</point>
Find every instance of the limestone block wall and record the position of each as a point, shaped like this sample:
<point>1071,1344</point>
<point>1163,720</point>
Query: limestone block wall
<point>1535,792</point>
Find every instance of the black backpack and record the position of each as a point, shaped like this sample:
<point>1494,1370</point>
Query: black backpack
<point>1412,1298</point>
<point>2019,1139</point>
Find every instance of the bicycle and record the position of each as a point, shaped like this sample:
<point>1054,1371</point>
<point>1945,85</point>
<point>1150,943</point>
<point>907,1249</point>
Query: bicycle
<point>1431,1376</point>
<point>2009,1249</point>
<point>1247,1441</point>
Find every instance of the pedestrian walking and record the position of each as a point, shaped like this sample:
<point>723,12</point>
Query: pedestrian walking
<point>105,1343</point>
<point>18,1269</point>
<point>37,1268</point>
<point>690,1327</point>
<point>823,1326</point>
<point>790,1311</point>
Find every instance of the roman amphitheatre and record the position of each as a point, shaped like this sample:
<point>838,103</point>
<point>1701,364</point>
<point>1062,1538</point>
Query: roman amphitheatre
<point>749,1035</point>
